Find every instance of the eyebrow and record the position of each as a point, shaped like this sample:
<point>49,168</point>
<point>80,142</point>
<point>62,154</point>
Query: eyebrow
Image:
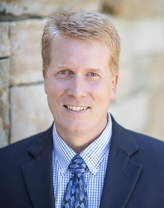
<point>60,66</point>
<point>69,67</point>
<point>94,69</point>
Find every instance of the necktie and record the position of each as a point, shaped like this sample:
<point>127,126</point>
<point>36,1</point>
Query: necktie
<point>76,190</point>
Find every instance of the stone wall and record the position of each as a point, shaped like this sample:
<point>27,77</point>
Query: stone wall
<point>140,94</point>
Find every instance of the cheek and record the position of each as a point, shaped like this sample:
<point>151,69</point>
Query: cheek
<point>102,91</point>
<point>55,91</point>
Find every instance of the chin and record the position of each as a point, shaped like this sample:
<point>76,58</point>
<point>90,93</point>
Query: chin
<point>76,129</point>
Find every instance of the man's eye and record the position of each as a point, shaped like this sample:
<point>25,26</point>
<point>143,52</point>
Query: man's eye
<point>93,74</point>
<point>63,72</point>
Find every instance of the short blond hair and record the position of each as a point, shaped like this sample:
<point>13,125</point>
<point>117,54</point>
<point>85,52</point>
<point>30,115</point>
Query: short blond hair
<point>81,24</point>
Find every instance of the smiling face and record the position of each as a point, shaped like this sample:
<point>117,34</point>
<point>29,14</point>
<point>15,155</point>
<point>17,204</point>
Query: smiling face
<point>79,87</point>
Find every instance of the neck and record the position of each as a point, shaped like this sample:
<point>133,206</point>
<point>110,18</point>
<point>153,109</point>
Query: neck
<point>78,141</point>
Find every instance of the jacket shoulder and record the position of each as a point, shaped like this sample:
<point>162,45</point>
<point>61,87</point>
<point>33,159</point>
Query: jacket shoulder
<point>148,143</point>
<point>18,152</point>
<point>17,146</point>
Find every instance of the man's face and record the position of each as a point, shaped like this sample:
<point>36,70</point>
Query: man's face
<point>79,86</point>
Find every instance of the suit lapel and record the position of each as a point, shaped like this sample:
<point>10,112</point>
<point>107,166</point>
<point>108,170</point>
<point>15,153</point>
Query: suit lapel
<point>38,174</point>
<point>122,172</point>
<point>121,176</point>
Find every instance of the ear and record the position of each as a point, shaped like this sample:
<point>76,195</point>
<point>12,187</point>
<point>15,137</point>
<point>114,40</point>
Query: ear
<point>44,74</point>
<point>113,86</point>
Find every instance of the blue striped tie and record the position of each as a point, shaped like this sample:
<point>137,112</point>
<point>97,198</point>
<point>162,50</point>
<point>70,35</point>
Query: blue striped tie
<point>76,190</point>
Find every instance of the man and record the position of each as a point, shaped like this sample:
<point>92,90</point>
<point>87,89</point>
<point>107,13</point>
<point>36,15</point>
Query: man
<point>85,159</point>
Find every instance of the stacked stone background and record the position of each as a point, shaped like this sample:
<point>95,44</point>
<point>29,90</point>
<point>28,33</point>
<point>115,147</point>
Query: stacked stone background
<point>140,94</point>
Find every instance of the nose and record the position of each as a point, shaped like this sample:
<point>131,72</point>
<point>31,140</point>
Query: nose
<point>77,87</point>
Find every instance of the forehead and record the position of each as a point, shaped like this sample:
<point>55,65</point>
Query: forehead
<point>71,40</point>
<point>76,49</point>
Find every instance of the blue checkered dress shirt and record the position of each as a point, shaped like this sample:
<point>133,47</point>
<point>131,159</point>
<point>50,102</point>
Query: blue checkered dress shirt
<point>95,156</point>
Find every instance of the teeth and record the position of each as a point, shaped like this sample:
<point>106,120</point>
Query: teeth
<point>74,108</point>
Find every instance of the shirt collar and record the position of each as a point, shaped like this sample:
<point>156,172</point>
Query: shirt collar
<point>63,154</point>
<point>92,155</point>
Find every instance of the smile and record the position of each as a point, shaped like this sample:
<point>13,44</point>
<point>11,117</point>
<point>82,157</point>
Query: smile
<point>75,108</point>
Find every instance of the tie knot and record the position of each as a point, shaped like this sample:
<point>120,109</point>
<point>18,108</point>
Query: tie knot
<point>77,165</point>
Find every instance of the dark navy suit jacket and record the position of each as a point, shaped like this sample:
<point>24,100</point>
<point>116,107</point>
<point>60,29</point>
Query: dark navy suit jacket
<point>134,176</point>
